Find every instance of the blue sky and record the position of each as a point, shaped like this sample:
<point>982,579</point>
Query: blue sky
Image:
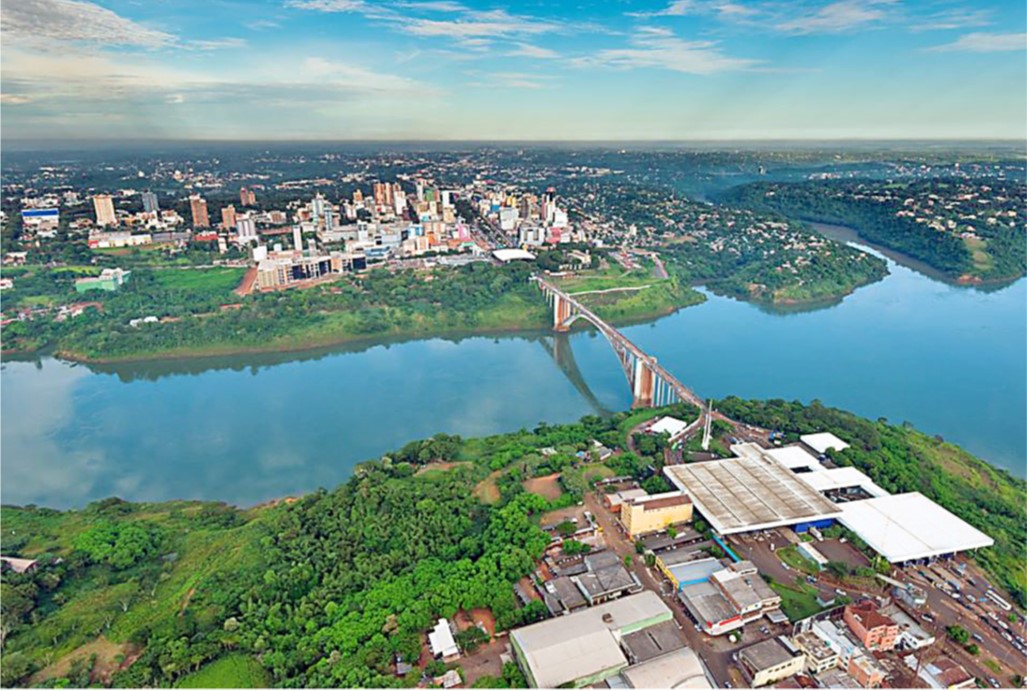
<point>556,70</point>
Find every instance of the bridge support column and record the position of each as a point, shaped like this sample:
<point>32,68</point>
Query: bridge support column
<point>561,313</point>
<point>644,385</point>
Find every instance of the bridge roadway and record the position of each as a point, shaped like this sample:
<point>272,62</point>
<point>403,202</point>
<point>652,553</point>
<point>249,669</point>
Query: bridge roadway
<point>620,343</point>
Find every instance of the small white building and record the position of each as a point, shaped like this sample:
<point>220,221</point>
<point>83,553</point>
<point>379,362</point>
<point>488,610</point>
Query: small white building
<point>822,441</point>
<point>442,643</point>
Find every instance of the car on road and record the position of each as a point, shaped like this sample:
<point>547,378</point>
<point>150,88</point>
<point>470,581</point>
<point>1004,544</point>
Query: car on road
<point>993,681</point>
<point>978,637</point>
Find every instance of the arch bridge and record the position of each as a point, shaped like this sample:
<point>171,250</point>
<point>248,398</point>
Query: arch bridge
<point>651,384</point>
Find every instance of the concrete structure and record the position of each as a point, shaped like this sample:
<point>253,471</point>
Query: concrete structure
<point>752,492</point>
<point>946,673</point>
<point>651,384</point>
<point>441,642</point>
<point>838,479</point>
<point>819,656</point>
<point>198,210</point>
<point>823,441</point>
<point>616,500</point>
<point>42,221</point>
<point>109,279</point>
<point>607,578</point>
<point>865,670</point>
<point>655,512</point>
<point>228,217</point>
<point>771,660</point>
<point>729,599</point>
<point>909,527</point>
<point>583,648</point>
<point>795,458</point>
<point>873,629</point>
<point>678,669</point>
<point>150,203</point>
<point>808,550</point>
<point>682,567</point>
<point>912,636</point>
<point>104,208</point>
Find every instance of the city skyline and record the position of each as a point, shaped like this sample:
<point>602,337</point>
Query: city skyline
<point>443,70</point>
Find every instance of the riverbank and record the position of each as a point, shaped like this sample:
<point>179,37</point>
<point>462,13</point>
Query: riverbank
<point>509,318</point>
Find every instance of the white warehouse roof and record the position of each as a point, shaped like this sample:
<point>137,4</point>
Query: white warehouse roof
<point>822,441</point>
<point>670,425</point>
<point>512,254</point>
<point>902,527</point>
<point>839,478</point>
<point>794,457</point>
<point>583,644</point>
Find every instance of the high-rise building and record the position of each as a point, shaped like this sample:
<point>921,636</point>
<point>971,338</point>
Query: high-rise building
<point>297,237</point>
<point>198,207</point>
<point>317,208</point>
<point>104,208</point>
<point>358,197</point>
<point>379,194</point>
<point>228,217</point>
<point>246,229</point>
<point>150,204</point>
<point>329,217</point>
<point>247,197</point>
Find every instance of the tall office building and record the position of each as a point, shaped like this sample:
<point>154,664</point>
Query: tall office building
<point>317,208</point>
<point>329,218</point>
<point>198,207</point>
<point>247,197</point>
<point>379,193</point>
<point>246,228</point>
<point>150,204</point>
<point>104,208</point>
<point>228,217</point>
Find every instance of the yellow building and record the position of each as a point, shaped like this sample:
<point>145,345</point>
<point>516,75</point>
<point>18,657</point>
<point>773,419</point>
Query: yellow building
<point>656,512</point>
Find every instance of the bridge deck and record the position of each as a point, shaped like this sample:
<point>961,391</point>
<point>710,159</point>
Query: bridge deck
<point>613,335</point>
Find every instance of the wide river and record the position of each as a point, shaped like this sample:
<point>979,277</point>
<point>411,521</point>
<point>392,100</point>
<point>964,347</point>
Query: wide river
<point>953,361</point>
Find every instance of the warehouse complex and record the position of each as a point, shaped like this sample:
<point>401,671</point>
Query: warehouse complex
<point>633,639</point>
<point>761,489</point>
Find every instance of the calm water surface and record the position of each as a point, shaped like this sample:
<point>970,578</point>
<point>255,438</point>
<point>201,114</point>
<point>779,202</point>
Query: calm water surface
<point>953,361</point>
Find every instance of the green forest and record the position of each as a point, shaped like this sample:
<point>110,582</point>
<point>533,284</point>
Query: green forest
<point>199,313</point>
<point>875,210</point>
<point>901,459</point>
<point>328,590</point>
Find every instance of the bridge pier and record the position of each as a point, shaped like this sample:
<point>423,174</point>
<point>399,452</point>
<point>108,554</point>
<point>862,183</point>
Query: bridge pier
<point>561,313</point>
<point>644,385</point>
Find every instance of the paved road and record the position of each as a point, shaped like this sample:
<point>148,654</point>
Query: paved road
<point>718,661</point>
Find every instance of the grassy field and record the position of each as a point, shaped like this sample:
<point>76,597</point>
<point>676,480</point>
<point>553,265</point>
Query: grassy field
<point>797,601</point>
<point>221,280</point>
<point>790,555</point>
<point>229,672</point>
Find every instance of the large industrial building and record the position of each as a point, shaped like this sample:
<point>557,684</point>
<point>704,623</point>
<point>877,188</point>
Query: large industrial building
<point>626,639</point>
<point>653,513</point>
<point>762,489</point>
<point>910,527</point>
<point>752,492</point>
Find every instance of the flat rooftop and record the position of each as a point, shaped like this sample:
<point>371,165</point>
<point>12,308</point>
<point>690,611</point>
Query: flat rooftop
<point>752,492</point>
<point>795,457</point>
<point>826,479</point>
<point>582,644</point>
<point>680,669</point>
<point>822,441</point>
<point>903,527</point>
<point>695,571</point>
<point>706,603</point>
<point>766,654</point>
<point>654,641</point>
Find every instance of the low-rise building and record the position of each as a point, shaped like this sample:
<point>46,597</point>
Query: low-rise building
<point>819,656</point>
<point>946,673</point>
<point>656,512</point>
<point>584,648</point>
<point>442,643</point>
<point>873,629</point>
<point>607,578</point>
<point>616,500</point>
<point>865,670</point>
<point>729,599</point>
<point>771,660</point>
<point>109,279</point>
<point>912,636</point>
<point>684,566</point>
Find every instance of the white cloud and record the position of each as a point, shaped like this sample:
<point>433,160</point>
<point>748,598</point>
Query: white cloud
<point>476,24</point>
<point>42,21</point>
<point>723,9</point>
<point>660,48</point>
<point>953,19</point>
<point>985,43</point>
<point>14,99</point>
<point>328,5</point>
<point>526,50</point>
<point>217,44</point>
<point>837,17</point>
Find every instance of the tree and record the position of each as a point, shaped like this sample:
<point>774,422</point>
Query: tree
<point>958,634</point>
